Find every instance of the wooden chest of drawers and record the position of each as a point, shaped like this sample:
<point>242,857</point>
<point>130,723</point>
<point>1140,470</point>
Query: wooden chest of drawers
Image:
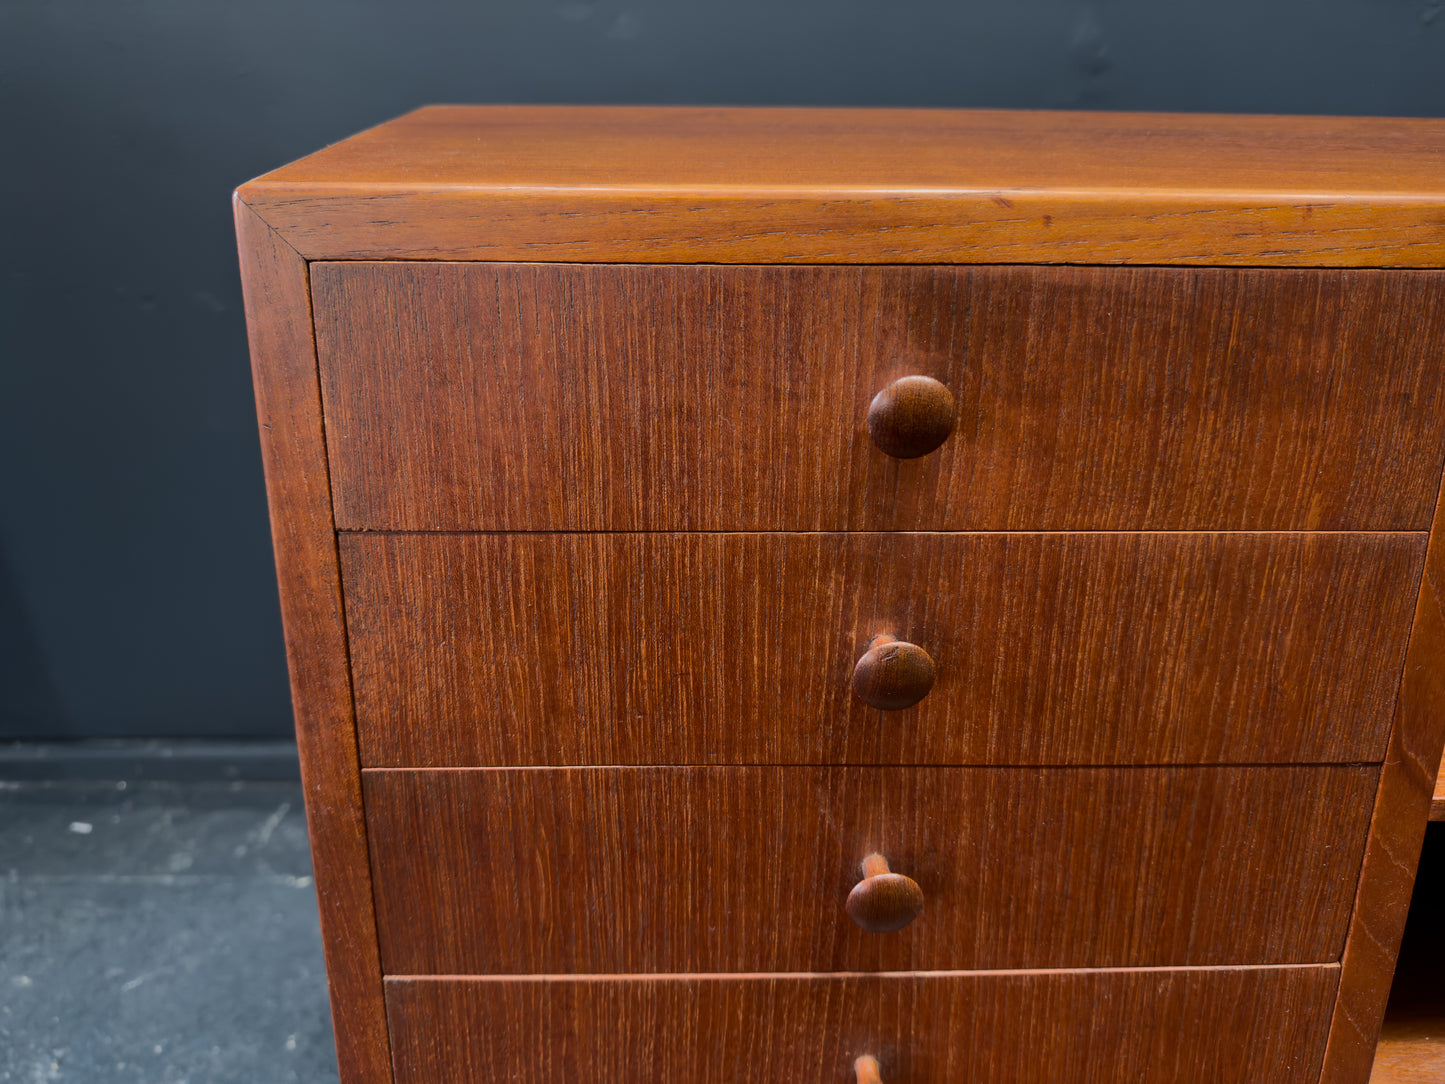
<point>858,595</point>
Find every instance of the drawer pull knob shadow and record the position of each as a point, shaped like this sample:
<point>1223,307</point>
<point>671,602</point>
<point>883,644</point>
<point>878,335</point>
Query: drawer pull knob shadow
<point>911,417</point>
<point>866,1069</point>
<point>883,901</point>
<point>893,674</point>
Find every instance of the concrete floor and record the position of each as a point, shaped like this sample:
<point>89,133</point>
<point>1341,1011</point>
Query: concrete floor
<point>160,933</point>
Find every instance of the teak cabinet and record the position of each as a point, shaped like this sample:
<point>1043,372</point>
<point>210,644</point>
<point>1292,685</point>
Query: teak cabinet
<point>858,595</point>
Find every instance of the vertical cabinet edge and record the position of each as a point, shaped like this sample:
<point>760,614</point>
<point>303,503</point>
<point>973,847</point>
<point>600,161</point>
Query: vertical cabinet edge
<point>1397,831</point>
<point>277,297</point>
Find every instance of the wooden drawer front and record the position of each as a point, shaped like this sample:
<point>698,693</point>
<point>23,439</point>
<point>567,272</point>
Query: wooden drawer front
<point>1049,649</point>
<point>1224,1026</point>
<point>555,397</point>
<point>652,870</point>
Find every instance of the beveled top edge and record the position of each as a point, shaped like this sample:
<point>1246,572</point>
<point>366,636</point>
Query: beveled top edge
<point>813,153</point>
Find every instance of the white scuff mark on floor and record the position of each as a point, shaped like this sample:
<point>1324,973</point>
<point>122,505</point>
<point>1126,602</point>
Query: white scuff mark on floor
<point>271,823</point>
<point>82,828</point>
<point>127,987</point>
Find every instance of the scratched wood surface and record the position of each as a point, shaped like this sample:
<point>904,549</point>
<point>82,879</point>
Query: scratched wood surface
<point>739,648</point>
<point>293,452</point>
<point>1214,1026</point>
<point>705,185</point>
<point>551,397</point>
<point>633,870</point>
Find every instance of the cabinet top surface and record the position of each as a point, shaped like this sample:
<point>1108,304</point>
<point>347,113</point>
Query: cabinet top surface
<point>691,184</point>
<point>881,150</point>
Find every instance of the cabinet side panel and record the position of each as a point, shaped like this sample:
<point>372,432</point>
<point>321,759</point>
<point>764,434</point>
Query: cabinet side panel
<point>288,405</point>
<point>1397,831</point>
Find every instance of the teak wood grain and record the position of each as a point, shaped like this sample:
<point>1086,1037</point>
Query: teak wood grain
<point>740,648</point>
<point>673,870</point>
<point>293,452</point>
<point>567,397</point>
<point>695,185</point>
<point>1224,1026</point>
<point>1397,829</point>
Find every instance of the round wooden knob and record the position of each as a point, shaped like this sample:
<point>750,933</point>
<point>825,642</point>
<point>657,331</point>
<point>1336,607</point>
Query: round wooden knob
<point>911,417</point>
<point>893,674</point>
<point>882,901</point>
<point>866,1069</point>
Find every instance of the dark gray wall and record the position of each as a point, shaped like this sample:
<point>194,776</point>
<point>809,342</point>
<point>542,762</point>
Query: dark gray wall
<point>136,595</point>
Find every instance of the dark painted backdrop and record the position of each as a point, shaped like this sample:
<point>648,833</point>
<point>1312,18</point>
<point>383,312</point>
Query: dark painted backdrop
<point>136,595</point>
